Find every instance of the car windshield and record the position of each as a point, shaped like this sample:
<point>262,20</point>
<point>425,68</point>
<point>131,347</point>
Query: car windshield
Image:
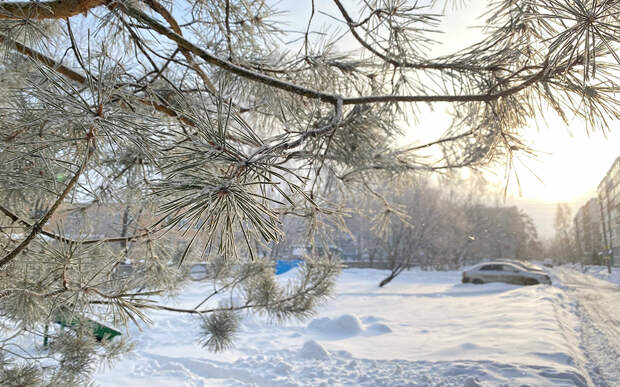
<point>531,266</point>
<point>524,264</point>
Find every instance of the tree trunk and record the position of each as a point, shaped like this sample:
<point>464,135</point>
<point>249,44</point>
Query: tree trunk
<point>387,280</point>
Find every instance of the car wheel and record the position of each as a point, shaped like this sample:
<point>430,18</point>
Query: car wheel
<point>477,281</point>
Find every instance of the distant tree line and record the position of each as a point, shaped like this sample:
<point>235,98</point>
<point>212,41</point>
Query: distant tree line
<point>425,224</point>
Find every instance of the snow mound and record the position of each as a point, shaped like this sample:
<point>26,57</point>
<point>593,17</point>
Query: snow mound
<point>378,329</point>
<point>347,325</point>
<point>313,350</point>
<point>370,319</point>
<point>282,368</point>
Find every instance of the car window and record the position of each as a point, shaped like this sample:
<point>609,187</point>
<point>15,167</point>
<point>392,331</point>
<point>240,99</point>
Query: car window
<point>492,267</point>
<point>510,268</point>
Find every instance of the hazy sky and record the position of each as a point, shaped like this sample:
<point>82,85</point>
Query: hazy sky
<point>570,163</point>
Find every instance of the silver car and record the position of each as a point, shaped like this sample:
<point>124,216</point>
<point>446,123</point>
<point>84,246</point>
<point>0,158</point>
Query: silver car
<point>505,272</point>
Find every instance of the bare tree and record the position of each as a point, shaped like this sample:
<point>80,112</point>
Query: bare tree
<point>198,112</point>
<point>412,228</point>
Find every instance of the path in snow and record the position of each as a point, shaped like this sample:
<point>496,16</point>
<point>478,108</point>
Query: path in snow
<point>598,308</point>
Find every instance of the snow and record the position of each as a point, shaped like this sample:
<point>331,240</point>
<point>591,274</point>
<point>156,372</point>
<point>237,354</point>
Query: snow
<point>597,307</point>
<point>600,272</point>
<point>423,329</point>
<point>344,326</point>
<point>313,350</point>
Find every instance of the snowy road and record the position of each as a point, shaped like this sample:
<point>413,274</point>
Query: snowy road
<point>597,304</point>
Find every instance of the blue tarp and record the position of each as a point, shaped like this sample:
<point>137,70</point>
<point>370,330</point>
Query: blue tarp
<point>282,266</point>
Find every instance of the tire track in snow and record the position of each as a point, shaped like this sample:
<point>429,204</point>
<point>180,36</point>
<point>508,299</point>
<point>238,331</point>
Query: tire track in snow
<point>598,310</point>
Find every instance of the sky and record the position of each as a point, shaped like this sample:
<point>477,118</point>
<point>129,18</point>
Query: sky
<point>569,163</point>
<point>569,168</point>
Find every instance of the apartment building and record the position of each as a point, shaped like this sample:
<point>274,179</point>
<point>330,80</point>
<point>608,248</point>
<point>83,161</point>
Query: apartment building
<point>609,196</point>
<point>588,232</point>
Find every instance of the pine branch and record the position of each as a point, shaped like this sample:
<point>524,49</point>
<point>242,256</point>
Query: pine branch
<point>59,9</point>
<point>160,9</point>
<point>63,239</point>
<point>312,93</point>
<point>38,226</point>
<point>83,80</point>
<point>398,63</point>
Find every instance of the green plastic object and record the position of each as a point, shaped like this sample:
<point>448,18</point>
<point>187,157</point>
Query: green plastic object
<point>100,331</point>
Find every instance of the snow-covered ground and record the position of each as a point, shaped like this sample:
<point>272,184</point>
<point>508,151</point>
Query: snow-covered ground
<point>597,299</point>
<point>423,329</point>
<point>600,272</point>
